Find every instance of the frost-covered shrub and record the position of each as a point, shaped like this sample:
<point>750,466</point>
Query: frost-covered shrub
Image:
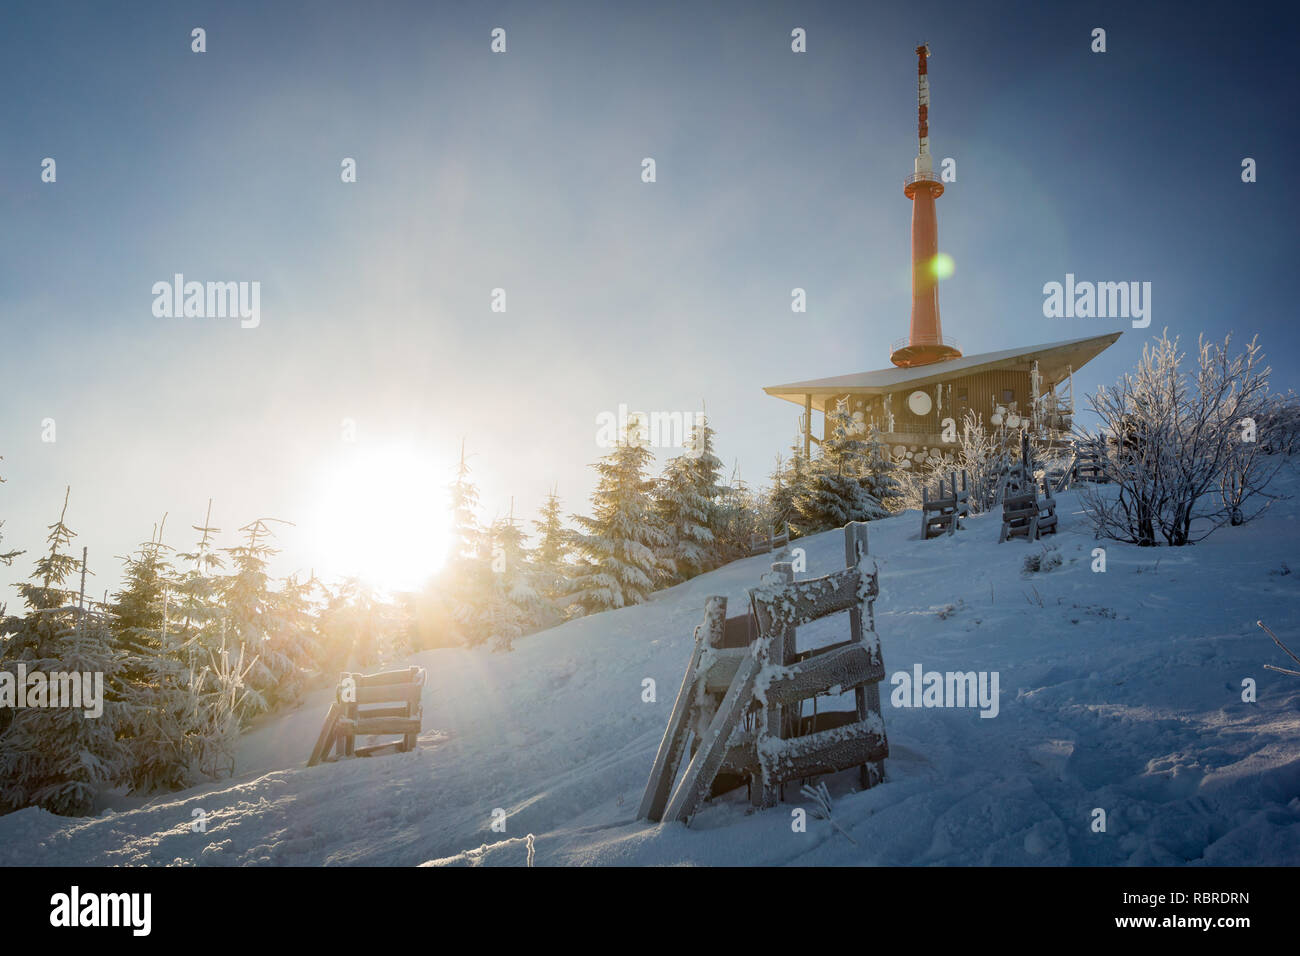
<point>1279,425</point>
<point>1184,461</point>
<point>987,453</point>
<point>1042,561</point>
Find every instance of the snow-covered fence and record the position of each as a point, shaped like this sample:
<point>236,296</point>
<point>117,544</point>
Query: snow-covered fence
<point>769,679</point>
<point>1090,457</point>
<point>941,515</point>
<point>480,854</point>
<point>389,702</point>
<point>1023,515</point>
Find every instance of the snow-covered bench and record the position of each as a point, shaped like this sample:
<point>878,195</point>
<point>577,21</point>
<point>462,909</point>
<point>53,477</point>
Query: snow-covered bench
<point>373,705</point>
<point>760,545</point>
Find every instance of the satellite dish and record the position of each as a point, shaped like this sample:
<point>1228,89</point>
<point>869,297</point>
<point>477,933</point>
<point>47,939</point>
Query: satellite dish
<point>920,403</point>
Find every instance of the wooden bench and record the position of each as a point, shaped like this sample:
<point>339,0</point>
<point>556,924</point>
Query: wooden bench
<point>760,545</point>
<point>373,705</point>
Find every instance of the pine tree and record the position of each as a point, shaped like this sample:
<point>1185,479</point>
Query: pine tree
<point>199,590</point>
<point>293,638</point>
<point>788,482</point>
<point>200,616</point>
<point>467,537</point>
<point>707,466</point>
<point>621,549</point>
<point>880,473</point>
<point>834,492</point>
<point>216,697</point>
<point>138,607</point>
<point>57,757</point>
<point>268,627</point>
<point>154,676</point>
<point>686,515</point>
<point>738,519</point>
<point>550,558</point>
<point>188,689</point>
<point>514,606</point>
<point>349,627</point>
<point>686,501</point>
<point>221,700</point>
<point>465,584</point>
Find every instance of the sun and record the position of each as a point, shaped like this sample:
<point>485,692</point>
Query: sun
<point>380,514</point>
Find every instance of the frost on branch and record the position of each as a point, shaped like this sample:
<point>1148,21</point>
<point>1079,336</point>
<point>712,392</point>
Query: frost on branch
<point>1183,460</point>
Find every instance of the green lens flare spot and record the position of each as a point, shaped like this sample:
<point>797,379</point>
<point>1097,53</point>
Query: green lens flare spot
<point>941,266</point>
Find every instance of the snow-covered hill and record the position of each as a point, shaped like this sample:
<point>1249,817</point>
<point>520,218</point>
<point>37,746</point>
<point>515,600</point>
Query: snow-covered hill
<point>1119,690</point>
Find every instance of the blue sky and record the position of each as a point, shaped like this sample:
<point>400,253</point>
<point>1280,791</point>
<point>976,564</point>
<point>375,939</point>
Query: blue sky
<point>522,171</point>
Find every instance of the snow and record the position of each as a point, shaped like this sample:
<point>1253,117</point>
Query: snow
<point>1121,691</point>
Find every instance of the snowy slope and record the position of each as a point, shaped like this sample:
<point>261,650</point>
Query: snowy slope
<point>1121,691</point>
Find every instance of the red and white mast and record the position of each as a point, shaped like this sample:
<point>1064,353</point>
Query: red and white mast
<point>925,344</point>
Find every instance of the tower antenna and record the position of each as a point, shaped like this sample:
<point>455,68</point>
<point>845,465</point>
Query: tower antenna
<point>925,344</point>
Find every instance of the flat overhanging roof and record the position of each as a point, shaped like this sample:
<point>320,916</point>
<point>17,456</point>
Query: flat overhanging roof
<point>1054,363</point>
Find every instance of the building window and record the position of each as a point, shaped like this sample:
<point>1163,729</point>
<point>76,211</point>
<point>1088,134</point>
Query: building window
<point>963,396</point>
<point>1008,396</point>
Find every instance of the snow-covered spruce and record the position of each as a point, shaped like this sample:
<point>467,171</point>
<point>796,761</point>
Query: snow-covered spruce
<point>838,485</point>
<point>623,544</point>
<point>57,757</point>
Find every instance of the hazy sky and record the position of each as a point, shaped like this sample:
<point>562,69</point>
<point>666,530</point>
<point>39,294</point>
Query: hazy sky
<point>522,171</point>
